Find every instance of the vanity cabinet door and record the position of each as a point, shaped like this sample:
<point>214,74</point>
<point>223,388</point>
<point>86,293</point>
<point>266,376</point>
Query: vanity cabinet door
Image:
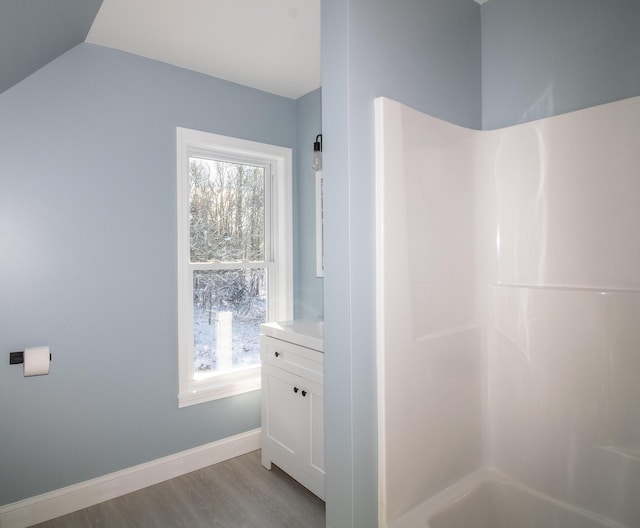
<point>313,454</point>
<point>283,418</point>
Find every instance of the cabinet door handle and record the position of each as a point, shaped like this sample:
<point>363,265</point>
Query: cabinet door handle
<point>296,389</point>
<point>304,393</point>
<point>277,354</point>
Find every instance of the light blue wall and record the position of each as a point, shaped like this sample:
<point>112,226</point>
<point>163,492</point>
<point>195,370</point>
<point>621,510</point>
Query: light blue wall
<point>542,58</point>
<point>307,286</point>
<point>33,32</point>
<point>88,262</point>
<point>425,54</point>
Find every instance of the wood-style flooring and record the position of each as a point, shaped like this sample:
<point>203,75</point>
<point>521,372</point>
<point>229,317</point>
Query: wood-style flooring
<point>237,493</point>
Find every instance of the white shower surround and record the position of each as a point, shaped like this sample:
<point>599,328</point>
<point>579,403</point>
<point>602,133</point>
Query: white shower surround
<point>508,302</point>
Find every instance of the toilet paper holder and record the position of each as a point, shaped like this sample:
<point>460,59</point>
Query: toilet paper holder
<point>17,358</point>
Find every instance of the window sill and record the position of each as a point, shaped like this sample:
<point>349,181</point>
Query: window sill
<point>221,387</point>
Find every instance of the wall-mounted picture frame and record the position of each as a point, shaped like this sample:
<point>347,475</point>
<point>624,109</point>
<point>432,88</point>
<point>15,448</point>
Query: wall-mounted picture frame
<point>319,225</point>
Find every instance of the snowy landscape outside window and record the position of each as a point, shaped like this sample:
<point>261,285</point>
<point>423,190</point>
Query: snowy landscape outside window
<point>227,210</point>
<point>234,259</point>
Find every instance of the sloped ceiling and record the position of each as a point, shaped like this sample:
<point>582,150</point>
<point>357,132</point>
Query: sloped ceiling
<point>34,32</point>
<point>271,45</point>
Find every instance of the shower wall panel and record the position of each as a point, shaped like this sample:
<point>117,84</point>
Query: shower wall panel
<point>564,351</point>
<point>430,342</point>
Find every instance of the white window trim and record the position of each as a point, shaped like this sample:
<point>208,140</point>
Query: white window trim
<point>191,142</point>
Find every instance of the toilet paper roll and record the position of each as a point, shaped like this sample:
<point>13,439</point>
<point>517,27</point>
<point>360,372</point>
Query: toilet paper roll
<point>36,361</point>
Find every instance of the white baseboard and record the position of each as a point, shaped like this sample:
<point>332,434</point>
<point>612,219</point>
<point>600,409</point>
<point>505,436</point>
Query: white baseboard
<point>66,500</point>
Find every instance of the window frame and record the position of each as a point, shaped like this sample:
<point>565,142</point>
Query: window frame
<point>278,254</point>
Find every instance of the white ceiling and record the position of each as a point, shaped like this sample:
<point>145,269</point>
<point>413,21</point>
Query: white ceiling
<point>271,45</point>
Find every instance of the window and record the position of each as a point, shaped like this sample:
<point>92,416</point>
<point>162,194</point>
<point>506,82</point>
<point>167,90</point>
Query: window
<point>234,259</point>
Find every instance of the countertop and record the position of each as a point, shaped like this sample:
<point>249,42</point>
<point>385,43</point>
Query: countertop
<point>304,332</point>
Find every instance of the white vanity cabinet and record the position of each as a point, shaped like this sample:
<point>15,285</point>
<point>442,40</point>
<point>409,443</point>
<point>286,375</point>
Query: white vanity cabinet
<point>293,401</point>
